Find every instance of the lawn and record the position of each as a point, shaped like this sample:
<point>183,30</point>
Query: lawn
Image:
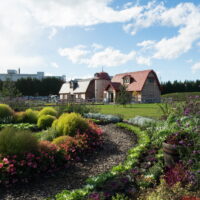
<point>181,95</point>
<point>131,110</point>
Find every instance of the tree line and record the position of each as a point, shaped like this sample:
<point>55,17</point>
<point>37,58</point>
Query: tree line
<point>178,86</point>
<point>32,87</point>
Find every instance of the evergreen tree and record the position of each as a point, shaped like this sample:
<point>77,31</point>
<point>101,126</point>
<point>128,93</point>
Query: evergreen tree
<point>123,96</point>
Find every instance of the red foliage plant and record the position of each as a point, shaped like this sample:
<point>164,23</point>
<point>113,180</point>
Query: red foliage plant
<point>190,198</point>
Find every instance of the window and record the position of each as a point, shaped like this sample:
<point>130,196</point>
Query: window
<point>151,80</point>
<point>127,80</point>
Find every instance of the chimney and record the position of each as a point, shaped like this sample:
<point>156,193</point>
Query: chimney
<point>19,71</point>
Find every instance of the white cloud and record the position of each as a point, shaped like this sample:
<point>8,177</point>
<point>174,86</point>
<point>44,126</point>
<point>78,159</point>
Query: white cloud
<point>52,33</point>
<point>146,44</point>
<point>143,60</point>
<point>97,46</point>
<point>109,57</point>
<point>62,13</point>
<point>55,65</point>
<point>185,16</point>
<point>195,67</point>
<point>74,54</point>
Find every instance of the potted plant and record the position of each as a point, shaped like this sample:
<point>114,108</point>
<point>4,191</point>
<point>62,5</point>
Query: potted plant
<point>175,144</point>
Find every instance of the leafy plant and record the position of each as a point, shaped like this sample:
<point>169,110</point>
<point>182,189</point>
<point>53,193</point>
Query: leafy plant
<point>45,121</point>
<point>48,134</point>
<point>120,197</point>
<point>69,124</point>
<point>6,113</point>
<point>31,116</point>
<point>13,141</point>
<point>63,139</point>
<point>48,111</point>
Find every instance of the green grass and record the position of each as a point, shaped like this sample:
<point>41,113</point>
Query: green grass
<point>181,95</point>
<point>131,110</point>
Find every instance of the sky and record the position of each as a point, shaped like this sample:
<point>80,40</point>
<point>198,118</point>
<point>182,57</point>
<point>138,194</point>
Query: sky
<point>78,38</point>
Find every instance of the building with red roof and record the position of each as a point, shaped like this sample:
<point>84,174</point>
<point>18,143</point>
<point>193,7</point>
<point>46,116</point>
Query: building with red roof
<point>144,86</point>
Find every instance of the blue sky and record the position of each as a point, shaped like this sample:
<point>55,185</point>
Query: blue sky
<point>77,38</point>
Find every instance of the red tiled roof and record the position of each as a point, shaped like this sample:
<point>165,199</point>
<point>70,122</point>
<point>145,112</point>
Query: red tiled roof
<point>102,75</point>
<point>114,85</point>
<point>139,79</point>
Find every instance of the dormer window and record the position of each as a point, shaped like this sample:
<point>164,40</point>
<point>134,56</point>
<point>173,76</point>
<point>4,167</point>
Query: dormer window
<point>127,79</point>
<point>73,84</point>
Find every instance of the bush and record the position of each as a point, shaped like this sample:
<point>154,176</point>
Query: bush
<point>48,134</point>
<point>141,121</point>
<point>31,116</point>
<point>63,139</point>
<point>6,113</point>
<point>48,111</point>
<point>45,121</point>
<point>69,124</point>
<point>46,146</point>
<point>104,118</point>
<point>77,108</point>
<point>14,142</point>
<point>19,117</point>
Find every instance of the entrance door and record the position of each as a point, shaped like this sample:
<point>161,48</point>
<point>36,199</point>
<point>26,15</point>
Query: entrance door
<point>111,97</point>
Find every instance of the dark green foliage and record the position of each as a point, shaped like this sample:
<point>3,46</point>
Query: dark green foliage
<point>44,87</point>
<point>15,142</point>
<point>123,97</point>
<point>45,121</point>
<point>178,86</point>
<point>9,90</point>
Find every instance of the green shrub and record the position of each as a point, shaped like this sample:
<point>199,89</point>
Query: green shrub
<point>31,116</point>
<point>6,113</point>
<point>45,121</point>
<point>62,139</point>
<point>14,142</point>
<point>77,108</point>
<point>48,111</point>
<point>19,117</point>
<point>48,134</point>
<point>69,124</point>
<point>120,197</point>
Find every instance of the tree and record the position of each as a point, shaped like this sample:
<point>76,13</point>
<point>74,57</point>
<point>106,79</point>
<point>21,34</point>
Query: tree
<point>123,96</point>
<point>9,90</point>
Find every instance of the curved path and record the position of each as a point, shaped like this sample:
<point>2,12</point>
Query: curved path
<point>117,143</point>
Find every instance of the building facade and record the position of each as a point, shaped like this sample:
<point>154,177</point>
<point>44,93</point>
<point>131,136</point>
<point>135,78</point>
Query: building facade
<point>15,75</point>
<point>143,86</point>
<point>85,89</point>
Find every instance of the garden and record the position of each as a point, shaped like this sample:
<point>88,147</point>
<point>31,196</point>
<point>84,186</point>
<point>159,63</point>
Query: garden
<point>75,153</point>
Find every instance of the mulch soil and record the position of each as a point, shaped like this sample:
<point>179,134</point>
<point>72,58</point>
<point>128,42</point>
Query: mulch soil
<point>117,142</point>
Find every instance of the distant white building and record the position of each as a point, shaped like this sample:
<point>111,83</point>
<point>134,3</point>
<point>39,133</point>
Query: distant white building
<point>15,75</point>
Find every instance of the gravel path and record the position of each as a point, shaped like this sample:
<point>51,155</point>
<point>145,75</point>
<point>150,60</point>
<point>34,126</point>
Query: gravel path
<point>117,143</point>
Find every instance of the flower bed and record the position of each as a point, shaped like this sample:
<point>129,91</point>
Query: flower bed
<point>23,157</point>
<point>94,182</point>
<point>102,118</point>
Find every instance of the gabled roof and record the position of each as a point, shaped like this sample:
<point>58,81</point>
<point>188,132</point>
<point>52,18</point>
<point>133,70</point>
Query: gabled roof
<point>102,75</point>
<point>82,87</point>
<point>139,79</point>
<point>114,85</point>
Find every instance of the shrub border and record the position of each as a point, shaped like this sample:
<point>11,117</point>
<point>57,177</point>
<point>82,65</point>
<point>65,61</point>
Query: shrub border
<point>131,160</point>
